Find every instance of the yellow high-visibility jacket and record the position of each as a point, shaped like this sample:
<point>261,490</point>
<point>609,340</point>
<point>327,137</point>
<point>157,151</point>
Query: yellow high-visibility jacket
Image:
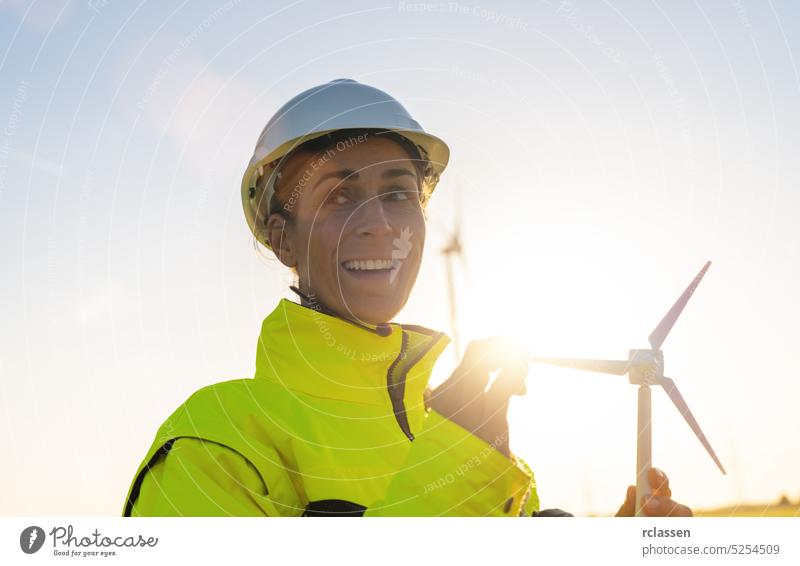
<point>334,422</point>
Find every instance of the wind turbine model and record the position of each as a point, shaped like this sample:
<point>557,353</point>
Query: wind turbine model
<point>646,368</point>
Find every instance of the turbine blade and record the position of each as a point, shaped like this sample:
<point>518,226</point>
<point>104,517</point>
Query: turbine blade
<point>679,402</point>
<point>660,333</point>
<point>615,367</point>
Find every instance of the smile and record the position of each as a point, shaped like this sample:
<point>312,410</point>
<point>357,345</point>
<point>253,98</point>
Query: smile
<point>369,264</point>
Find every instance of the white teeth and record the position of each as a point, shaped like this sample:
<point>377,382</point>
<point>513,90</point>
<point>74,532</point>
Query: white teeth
<point>368,264</point>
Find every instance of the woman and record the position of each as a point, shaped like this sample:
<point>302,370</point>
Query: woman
<point>338,419</point>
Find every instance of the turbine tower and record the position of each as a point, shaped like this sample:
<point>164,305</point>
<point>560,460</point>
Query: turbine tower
<point>452,250</point>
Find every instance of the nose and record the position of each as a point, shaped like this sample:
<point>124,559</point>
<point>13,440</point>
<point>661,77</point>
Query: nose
<point>372,219</point>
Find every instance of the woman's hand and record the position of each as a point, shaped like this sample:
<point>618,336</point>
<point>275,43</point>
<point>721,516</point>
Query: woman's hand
<point>462,399</point>
<point>659,503</point>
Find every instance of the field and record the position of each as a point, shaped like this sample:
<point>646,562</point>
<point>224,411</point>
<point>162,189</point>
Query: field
<point>753,510</point>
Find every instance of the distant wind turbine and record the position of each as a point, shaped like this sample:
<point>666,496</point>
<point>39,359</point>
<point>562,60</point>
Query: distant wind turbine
<point>453,249</point>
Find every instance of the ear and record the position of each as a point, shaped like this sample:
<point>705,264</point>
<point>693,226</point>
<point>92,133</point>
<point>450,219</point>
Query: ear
<point>281,237</point>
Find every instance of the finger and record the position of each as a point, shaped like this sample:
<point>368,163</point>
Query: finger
<point>659,482</point>
<point>510,381</point>
<point>627,509</point>
<point>478,355</point>
<point>470,378</point>
<point>466,385</point>
<point>512,377</point>
<point>495,404</point>
<point>657,506</point>
<point>490,354</point>
<point>494,420</point>
<point>453,399</point>
<point>472,374</point>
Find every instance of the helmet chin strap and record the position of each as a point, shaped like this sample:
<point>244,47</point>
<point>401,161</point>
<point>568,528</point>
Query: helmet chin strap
<point>383,329</point>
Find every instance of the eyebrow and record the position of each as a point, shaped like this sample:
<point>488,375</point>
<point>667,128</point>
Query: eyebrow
<point>351,174</point>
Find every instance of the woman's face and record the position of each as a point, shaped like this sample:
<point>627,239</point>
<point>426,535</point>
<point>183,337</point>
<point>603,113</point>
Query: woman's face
<point>358,228</point>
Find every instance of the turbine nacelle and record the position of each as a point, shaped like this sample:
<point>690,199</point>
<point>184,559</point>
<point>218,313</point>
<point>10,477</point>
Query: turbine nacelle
<point>645,367</point>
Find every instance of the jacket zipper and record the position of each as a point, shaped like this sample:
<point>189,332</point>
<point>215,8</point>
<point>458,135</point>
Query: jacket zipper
<point>397,388</point>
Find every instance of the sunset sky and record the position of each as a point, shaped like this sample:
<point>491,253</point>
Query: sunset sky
<point>602,151</point>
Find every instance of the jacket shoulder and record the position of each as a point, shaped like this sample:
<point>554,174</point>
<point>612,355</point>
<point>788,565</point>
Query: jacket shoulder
<point>228,413</point>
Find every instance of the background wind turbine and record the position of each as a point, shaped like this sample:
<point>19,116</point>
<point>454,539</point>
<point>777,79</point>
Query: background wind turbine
<point>646,368</point>
<point>452,250</point>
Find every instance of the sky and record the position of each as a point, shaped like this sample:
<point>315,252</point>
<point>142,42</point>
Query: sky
<point>601,153</point>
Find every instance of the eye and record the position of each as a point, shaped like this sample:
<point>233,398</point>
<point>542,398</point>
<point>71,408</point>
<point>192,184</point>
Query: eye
<point>339,196</point>
<point>398,193</point>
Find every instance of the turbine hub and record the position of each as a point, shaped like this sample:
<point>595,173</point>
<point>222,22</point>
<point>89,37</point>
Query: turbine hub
<point>645,367</point>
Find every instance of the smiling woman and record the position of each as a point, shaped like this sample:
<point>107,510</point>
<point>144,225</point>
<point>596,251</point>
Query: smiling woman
<point>339,419</point>
<point>341,237</point>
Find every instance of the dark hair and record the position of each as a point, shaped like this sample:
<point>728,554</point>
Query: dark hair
<point>318,146</point>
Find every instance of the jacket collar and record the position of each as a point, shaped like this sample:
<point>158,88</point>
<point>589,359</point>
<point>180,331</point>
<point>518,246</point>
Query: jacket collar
<point>325,356</point>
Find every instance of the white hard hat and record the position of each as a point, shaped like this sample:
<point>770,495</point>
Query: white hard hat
<point>337,105</point>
